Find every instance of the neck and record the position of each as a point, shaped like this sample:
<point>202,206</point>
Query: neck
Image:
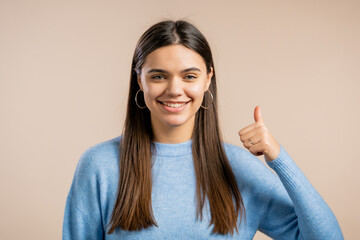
<point>173,134</point>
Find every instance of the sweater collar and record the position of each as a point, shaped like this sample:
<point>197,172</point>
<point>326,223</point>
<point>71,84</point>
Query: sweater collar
<point>173,149</point>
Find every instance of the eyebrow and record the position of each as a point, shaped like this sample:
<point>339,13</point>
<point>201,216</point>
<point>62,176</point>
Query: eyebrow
<point>164,71</point>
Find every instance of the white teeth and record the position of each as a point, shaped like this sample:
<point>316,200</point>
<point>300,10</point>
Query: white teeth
<point>174,105</point>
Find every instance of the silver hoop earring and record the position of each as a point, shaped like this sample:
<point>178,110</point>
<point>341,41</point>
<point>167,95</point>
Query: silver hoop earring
<point>212,97</point>
<point>136,100</point>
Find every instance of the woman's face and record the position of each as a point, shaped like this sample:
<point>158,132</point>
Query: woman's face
<point>174,79</point>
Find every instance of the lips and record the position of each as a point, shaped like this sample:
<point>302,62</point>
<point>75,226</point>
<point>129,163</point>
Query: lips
<point>174,104</point>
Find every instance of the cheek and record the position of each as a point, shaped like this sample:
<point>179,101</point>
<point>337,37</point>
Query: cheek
<point>151,94</point>
<point>196,92</point>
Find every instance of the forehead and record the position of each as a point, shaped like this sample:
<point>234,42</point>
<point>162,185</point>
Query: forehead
<point>175,57</point>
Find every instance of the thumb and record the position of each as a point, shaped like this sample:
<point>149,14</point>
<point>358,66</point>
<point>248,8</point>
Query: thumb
<point>257,114</point>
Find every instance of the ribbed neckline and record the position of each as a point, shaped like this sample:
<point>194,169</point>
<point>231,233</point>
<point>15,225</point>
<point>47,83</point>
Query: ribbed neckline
<point>173,149</point>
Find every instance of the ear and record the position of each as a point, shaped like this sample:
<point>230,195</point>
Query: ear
<point>208,79</point>
<point>139,82</point>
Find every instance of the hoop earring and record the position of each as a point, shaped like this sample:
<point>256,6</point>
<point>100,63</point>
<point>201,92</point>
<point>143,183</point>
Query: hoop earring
<point>136,100</point>
<point>212,97</point>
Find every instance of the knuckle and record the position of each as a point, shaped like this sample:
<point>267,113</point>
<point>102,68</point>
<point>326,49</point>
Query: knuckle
<point>262,128</point>
<point>264,135</point>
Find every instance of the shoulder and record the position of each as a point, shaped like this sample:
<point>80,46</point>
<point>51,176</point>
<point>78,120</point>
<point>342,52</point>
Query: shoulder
<point>99,157</point>
<point>234,151</point>
<point>241,157</point>
<point>247,168</point>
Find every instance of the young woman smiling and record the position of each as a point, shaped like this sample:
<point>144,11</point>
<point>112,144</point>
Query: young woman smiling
<point>173,79</point>
<point>169,175</point>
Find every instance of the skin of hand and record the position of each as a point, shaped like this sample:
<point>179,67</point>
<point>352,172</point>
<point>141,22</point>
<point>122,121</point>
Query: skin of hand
<point>262,140</point>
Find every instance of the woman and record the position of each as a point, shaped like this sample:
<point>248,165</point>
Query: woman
<point>170,175</point>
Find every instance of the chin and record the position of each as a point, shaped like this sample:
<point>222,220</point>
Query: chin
<point>175,124</point>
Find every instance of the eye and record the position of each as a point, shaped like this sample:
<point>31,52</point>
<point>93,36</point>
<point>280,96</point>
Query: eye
<point>191,76</point>
<point>157,77</point>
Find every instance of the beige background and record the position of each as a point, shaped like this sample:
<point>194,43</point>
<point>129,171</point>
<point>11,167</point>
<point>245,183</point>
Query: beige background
<point>64,73</point>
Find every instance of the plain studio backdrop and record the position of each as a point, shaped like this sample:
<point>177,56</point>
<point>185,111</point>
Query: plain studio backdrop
<point>64,76</point>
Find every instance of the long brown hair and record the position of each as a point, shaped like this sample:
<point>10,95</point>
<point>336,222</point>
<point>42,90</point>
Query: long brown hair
<point>214,177</point>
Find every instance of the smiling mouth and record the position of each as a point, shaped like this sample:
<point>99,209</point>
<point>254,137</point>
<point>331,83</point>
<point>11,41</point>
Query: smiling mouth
<point>174,105</point>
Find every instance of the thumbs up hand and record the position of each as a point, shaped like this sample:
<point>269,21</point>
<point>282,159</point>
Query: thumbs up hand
<point>257,138</point>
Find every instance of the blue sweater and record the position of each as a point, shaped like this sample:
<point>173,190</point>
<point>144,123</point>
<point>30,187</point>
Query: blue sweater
<point>282,206</point>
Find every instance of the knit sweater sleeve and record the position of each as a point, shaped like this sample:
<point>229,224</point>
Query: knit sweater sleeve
<point>295,210</point>
<point>82,218</point>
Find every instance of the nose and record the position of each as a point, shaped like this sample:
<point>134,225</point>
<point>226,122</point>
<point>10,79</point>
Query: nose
<point>175,87</point>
